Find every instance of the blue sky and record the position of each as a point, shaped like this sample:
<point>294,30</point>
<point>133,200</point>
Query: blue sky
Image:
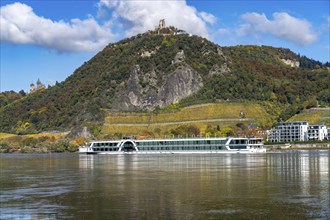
<point>50,39</point>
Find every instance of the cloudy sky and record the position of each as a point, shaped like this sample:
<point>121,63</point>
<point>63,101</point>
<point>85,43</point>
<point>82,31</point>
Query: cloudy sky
<point>50,39</point>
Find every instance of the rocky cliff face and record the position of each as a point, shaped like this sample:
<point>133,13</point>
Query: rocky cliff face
<point>146,91</point>
<point>150,90</point>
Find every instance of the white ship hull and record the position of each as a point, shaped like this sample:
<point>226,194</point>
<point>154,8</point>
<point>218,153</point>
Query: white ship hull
<point>176,146</point>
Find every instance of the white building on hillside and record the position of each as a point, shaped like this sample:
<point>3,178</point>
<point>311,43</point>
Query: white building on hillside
<point>289,132</point>
<point>297,131</point>
<point>317,132</point>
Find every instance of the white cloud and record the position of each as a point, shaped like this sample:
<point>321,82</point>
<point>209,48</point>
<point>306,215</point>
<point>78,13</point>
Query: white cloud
<point>20,25</point>
<point>282,26</point>
<point>107,3</point>
<point>140,16</point>
<point>223,31</point>
<point>207,17</point>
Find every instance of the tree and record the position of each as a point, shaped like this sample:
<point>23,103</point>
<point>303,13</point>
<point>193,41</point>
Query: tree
<point>22,93</point>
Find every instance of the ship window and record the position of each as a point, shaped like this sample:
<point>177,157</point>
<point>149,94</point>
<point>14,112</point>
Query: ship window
<point>238,147</point>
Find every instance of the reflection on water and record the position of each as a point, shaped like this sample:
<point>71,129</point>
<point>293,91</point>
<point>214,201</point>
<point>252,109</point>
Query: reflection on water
<point>283,185</point>
<point>304,178</point>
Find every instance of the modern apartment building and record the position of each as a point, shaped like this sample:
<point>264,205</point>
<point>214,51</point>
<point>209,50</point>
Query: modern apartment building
<point>297,131</point>
<point>289,132</point>
<point>317,132</point>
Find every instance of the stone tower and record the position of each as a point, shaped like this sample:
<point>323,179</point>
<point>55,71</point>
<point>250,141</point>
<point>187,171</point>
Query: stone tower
<point>162,24</point>
<point>39,84</point>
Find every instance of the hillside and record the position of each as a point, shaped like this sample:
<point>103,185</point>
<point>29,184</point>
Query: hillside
<point>206,119</point>
<point>314,116</point>
<point>149,72</point>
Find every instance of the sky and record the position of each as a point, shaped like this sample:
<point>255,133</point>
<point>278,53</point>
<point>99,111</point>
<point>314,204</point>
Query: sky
<point>49,39</point>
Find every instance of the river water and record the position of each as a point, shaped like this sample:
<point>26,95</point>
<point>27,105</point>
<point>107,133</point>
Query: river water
<point>276,185</point>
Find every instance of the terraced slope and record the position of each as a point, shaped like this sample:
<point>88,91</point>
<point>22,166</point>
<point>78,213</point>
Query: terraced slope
<point>223,115</point>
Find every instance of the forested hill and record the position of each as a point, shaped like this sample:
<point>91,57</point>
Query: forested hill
<point>151,71</point>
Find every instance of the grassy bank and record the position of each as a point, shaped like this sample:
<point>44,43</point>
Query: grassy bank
<point>314,116</point>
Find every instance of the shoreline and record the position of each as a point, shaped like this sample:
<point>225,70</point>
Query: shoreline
<point>307,146</point>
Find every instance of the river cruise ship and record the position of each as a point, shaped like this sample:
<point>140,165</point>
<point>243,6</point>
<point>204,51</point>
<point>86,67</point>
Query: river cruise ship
<point>175,146</point>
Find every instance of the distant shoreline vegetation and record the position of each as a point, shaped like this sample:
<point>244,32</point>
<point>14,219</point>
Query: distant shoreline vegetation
<point>38,144</point>
<point>60,146</point>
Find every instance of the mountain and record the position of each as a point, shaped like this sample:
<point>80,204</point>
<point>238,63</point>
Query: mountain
<point>153,70</point>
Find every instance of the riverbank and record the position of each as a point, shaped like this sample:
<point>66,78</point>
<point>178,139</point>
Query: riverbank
<point>300,146</point>
<point>38,146</point>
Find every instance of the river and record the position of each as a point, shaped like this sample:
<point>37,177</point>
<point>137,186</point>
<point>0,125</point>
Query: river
<point>275,185</point>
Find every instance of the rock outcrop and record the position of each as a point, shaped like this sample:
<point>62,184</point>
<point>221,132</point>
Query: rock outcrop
<point>142,92</point>
<point>292,63</point>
